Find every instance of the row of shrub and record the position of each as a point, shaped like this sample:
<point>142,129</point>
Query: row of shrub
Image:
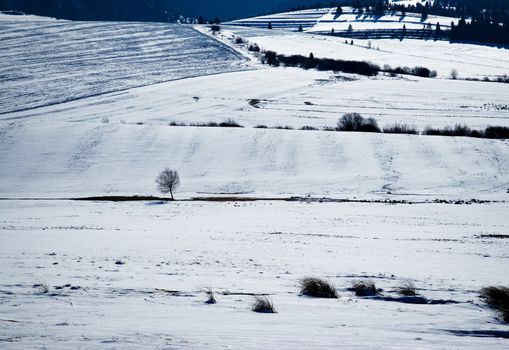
<point>417,71</point>
<point>321,64</point>
<point>500,79</point>
<point>228,123</point>
<point>354,122</point>
<point>491,132</point>
<point>327,64</point>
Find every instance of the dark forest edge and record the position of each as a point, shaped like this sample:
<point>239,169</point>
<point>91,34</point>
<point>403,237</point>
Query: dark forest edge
<point>481,20</point>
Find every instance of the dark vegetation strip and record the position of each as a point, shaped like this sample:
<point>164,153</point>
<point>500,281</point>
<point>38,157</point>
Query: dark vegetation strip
<point>354,122</point>
<point>118,199</point>
<point>274,59</point>
<point>354,67</point>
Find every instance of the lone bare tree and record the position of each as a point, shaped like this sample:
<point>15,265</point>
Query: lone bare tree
<point>168,181</point>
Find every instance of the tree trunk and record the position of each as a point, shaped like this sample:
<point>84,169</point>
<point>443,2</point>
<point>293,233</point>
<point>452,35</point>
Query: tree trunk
<point>171,192</point>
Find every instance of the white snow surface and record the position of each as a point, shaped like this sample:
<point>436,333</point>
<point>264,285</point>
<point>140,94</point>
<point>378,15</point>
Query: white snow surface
<point>237,248</point>
<point>96,158</point>
<point>45,62</point>
<point>293,97</point>
<point>133,275</point>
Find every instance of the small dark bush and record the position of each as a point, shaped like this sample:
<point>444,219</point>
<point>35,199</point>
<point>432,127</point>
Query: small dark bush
<point>370,125</point>
<point>364,288</point>
<point>261,127</point>
<point>457,130</point>
<point>239,40</point>
<point>255,102</point>
<point>317,288</point>
<point>271,58</point>
<point>254,48</point>
<point>306,127</point>
<point>417,71</point>
<point>355,122</point>
<point>210,296</point>
<point>287,127</point>
<point>497,298</point>
<point>497,132</point>
<point>407,289</point>
<point>42,287</point>
<point>503,79</point>
<point>230,123</point>
<point>400,129</point>
<point>350,122</point>
<point>205,125</point>
<point>422,72</point>
<point>263,305</point>
<point>215,28</point>
<point>177,124</point>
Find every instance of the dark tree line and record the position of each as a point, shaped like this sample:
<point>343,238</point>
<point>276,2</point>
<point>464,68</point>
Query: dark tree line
<point>482,20</point>
<point>121,10</point>
<point>480,30</point>
<point>488,20</point>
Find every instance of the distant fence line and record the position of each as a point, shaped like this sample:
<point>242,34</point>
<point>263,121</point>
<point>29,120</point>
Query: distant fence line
<point>391,34</point>
<point>428,34</point>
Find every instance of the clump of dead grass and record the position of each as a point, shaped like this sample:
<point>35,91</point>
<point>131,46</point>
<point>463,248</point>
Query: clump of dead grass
<point>317,288</point>
<point>407,289</point>
<point>262,304</point>
<point>364,288</point>
<point>498,299</point>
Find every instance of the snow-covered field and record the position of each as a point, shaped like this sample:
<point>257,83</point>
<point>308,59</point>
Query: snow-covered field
<point>470,61</point>
<point>325,19</point>
<point>171,253</point>
<point>45,62</point>
<point>116,159</point>
<point>292,97</point>
<point>133,275</point>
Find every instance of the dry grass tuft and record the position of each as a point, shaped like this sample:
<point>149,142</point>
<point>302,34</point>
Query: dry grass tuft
<point>317,288</point>
<point>497,298</point>
<point>211,299</point>
<point>407,289</point>
<point>364,288</point>
<point>42,287</point>
<point>263,304</point>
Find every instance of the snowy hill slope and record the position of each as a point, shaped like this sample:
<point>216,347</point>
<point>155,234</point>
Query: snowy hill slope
<point>292,97</point>
<point>471,61</point>
<point>65,150</point>
<point>104,275</point>
<point>45,62</point>
<point>54,159</point>
<point>325,19</point>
